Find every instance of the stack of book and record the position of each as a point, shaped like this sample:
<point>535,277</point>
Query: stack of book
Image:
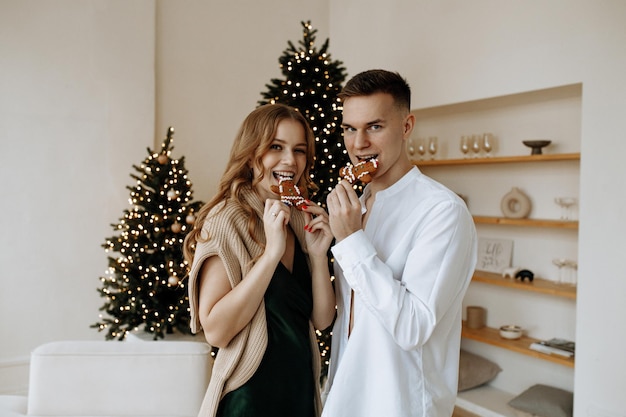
<point>555,346</point>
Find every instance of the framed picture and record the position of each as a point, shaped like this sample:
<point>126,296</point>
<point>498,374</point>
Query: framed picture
<point>494,254</point>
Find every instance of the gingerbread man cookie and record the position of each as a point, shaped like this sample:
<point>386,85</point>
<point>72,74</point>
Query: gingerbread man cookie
<point>289,193</point>
<point>360,172</point>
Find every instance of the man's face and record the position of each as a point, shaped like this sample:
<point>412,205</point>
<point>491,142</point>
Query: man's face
<point>373,126</point>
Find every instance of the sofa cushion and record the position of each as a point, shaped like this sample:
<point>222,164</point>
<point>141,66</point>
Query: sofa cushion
<point>475,370</point>
<point>545,401</point>
<point>98,378</point>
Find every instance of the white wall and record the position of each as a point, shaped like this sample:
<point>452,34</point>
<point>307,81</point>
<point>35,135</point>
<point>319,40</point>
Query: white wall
<point>213,63</point>
<point>76,111</point>
<point>455,51</point>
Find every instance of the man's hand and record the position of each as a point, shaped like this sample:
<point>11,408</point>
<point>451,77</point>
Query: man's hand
<point>344,211</point>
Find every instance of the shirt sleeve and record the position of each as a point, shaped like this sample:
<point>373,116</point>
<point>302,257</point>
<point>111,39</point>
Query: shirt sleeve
<point>433,265</point>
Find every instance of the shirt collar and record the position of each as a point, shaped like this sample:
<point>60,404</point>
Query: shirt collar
<point>393,189</point>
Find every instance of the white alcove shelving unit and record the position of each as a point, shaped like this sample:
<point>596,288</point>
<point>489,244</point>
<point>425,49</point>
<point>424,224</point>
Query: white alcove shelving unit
<point>546,307</point>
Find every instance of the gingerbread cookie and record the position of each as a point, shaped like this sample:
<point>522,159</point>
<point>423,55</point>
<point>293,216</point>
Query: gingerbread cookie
<point>362,171</point>
<point>289,193</point>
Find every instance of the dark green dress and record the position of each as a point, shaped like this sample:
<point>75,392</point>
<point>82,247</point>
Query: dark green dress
<point>283,385</point>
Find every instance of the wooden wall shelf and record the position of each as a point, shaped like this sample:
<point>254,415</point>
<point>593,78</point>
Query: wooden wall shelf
<point>558,224</point>
<point>538,285</point>
<point>500,159</point>
<point>492,337</point>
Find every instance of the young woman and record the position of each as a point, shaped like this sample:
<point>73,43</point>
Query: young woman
<point>259,281</point>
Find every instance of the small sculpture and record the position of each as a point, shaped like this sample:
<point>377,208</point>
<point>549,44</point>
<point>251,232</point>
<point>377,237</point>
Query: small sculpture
<point>510,272</point>
<point>536,145</point>
<point>515,204</point>
<point>525,274</point>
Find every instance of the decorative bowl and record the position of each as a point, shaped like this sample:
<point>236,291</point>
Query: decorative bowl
<point>510,331</point>
<point>536,145</point>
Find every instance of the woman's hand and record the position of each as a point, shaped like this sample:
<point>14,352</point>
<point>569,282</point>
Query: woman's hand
<point>318,236</point>
<point>275,220</point>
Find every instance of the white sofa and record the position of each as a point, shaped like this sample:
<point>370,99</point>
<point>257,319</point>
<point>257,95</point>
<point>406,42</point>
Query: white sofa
<point>110,378</point>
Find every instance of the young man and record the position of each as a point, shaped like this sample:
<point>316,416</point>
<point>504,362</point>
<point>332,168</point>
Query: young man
<point>404,256</point>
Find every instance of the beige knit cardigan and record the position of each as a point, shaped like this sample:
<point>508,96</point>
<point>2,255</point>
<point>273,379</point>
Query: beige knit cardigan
<point>227,225</point>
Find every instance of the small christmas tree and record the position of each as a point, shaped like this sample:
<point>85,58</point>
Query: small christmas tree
<point>311,85</point>
<point>142,285</point>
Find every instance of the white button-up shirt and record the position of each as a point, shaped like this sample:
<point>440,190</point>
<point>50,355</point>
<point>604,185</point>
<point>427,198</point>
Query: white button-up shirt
<point>409,270</point>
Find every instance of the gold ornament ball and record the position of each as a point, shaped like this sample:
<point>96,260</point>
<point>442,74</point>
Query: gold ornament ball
<point>172,280</point>
<point>176,227</point>
<point>162,159</point>
<point>190,219</point>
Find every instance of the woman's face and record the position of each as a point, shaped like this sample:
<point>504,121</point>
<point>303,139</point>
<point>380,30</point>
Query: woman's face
<point>286,157</point>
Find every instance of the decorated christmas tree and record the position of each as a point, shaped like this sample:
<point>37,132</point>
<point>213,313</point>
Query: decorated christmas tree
<point>143,283</point>
<point>311,85</point>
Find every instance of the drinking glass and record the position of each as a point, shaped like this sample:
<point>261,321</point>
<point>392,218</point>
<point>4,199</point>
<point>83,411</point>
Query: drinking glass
<point>573,273</point>
<point>565,203</point>
<point>432,146</point>
<point>410,147</point>
<point>421,148</point>
<point>488,144</point>
<point>560,263</point>
<point>465,146</point>
<point>476,145</point>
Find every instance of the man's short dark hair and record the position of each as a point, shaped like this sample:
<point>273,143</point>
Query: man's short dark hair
<point>375,81</point>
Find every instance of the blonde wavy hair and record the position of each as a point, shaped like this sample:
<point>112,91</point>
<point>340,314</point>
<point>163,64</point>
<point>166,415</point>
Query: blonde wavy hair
<point>253,140</point>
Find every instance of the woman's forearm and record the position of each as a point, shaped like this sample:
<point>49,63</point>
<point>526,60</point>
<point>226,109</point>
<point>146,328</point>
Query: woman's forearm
<point>323,293</point>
